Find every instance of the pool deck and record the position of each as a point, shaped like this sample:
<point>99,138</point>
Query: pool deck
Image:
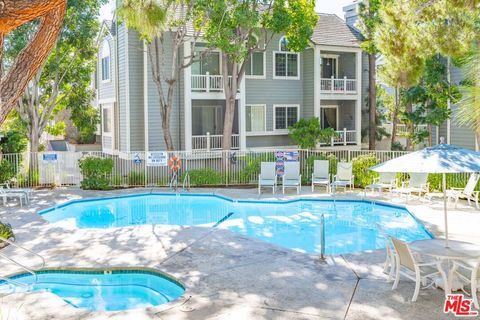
<point>227,275</point>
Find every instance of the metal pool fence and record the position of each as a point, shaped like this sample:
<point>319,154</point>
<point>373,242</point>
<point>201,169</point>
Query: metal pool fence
<point>220,168</point>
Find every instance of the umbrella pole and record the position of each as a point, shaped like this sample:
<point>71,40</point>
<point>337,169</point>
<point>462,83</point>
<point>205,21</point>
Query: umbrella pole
<point>444,183</point>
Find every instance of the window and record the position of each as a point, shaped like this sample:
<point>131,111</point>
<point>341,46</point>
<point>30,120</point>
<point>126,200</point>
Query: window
<point>286,63</point>
<point>255,118</point>
<point>255,67</point>
<point>204,63</point>
<point>107,120</point>
<point>285,116</point>
<point>105,60</point>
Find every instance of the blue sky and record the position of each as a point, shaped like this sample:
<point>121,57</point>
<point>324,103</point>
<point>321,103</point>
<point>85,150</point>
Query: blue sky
<point>324,6</point>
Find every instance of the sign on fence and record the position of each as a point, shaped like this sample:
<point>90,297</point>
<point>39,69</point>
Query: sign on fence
<point>280,162</point>
<point>157,159</point>
<point>137,159</point>
<point>49,157</point>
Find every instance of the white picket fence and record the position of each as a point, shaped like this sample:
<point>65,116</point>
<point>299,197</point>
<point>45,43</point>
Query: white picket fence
<point>130,169</point>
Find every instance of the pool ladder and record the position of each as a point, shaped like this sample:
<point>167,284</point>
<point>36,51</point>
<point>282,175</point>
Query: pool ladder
<point>28,269</point>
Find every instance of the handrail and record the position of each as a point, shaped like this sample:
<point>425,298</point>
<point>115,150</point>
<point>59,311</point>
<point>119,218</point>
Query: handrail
<point>25,249</point>
<point>32,272</point>
<point>17,283</point>
<point>173,180</point>
<point>322,237</point>
<point>186,182</point>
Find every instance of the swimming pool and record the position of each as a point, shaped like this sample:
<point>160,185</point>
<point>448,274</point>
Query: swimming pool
<point>350,225</point>
<point>114,290</point>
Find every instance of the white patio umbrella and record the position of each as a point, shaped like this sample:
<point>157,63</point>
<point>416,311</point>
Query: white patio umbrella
<point>442,158</point>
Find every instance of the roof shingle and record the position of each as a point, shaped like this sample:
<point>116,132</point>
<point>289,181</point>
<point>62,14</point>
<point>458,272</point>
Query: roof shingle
<point>333,31</point>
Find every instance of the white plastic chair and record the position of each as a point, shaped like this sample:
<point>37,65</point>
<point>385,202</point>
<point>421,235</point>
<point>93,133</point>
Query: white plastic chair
<point>469,272</point>
<point>344,177</point>
<point>416,184</point>
<point>17,190</point>
<point>19,195</point>
<point>292,177</point>
<point>405,259</point>
<point>320,174</point>
<point>467,192</point>
<point>267,176</point>
<point>385,180</point>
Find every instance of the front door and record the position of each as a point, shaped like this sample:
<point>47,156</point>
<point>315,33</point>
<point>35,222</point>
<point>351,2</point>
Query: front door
<point>329,117</point>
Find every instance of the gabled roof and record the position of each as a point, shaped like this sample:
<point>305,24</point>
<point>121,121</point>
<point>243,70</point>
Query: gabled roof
<point>333,31</point>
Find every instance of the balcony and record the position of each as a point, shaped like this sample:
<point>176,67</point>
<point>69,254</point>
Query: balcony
<point>210,142</point>
<point>344,137</point>
<point>338,86</point>
<point>207,82</point>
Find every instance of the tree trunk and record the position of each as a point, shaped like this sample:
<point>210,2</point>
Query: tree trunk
<point>430,132</point>
<point>409,127</point>
<point>230,89</point>
<point>394,119</point>
<point>166,126</point>
<point>31,58</point>
<point>372,95</point>
<point>477,136</point>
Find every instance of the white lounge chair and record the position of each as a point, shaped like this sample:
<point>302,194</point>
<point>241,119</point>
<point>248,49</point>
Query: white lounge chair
<point>418,272</point>
<point>291,176</point>
<point>469,272</point>
<point>344,177</point>
<point>389,265</point>
<point>7,189</point>
<point>416,184</point>
<point>468,192</point>
<point>267,177</point>
<point>19,195</point>
<point>386,180</point>
<point>321,175</point>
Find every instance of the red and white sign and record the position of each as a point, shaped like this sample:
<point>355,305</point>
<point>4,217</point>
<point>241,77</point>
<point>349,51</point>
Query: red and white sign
<point>459,306</point>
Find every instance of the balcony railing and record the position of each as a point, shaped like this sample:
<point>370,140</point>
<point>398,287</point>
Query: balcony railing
<point>213,142</point>
<point>344,137</point>
<point>401,129</point>
<point>338,86</point>
<point>207,82</point>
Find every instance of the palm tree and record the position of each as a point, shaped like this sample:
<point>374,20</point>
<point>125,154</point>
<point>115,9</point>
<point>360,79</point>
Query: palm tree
<point>469,106</point>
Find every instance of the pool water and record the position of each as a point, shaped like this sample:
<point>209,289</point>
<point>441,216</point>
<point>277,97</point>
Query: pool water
<point>99,291</point>
<point>350,226</point>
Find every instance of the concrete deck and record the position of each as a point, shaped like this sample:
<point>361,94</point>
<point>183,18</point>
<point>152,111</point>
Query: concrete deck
<point>227,275</point>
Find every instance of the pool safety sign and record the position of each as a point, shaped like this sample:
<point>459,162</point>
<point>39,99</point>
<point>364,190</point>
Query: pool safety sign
<point>157,159</point>
<point>284,156</point>
<point>136,159</point>
<point>49,157</point>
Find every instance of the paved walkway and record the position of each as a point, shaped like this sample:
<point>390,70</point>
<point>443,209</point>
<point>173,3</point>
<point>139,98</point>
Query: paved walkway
<point>227,275</point>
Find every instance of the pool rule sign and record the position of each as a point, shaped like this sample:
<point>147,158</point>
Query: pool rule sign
<point>157,159</point>
<point>284,156</point>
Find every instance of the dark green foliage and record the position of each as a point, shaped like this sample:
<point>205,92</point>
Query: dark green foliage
<point>13,141</point>
<point>307,133</point>
<point>7,171</point>
<point>6,232</point>
<point>204,177</point>
<point>136,178</point>
<point>252,166</point>
<point>363,176</point>
<point>96,173</point>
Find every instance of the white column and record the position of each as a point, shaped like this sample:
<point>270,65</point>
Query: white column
<point>316,81</point>
<point>358,105</point>
<point>145,96</point>
<point>127,92</point>
<point>187,94</point>
<point>241,119</point>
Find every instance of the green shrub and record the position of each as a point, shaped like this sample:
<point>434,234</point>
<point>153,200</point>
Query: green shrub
<point>6,171</point>
<point>6,231</point>
<point>252,166</point>
<point>96,172</point>
<point>332,159</point>
<point>29,178</point>
<point>306,133</point>
<point>363,176</point>
<point>203,177</point>
<point>136,178</point>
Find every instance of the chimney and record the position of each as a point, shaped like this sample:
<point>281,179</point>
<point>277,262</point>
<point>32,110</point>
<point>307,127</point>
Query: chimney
<point>351,13</point>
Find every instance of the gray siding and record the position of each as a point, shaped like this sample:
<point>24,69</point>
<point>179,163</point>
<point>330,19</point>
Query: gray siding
<point>271,91</point>
<point>135,65</point>
<point>122,88</point>
<point>106,90</point>
<point>156,139</point>
<point>268,141</point>
<point>308,87</point>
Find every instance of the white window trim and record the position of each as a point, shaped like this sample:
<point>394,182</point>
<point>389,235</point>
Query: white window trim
<point>337,114</point>
<point>108,107</point>
<point>102,56</point>
<point>264,76</point>
<point>275,106</point>
<point>219,60</point>
<point>330,56</point>
<point>286,77</point>
<point>264,119</point>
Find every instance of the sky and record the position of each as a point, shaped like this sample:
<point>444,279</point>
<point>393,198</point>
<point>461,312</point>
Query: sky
<point>324,6</point>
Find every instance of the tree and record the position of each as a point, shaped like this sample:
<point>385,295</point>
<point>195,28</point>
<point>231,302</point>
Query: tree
<point>158,24</point>
<point>66,72</point>
<point>13,14</point>
<point>239,28</point>
<point>368,24</point>
<point>469,106</point>
<point>308,133</point>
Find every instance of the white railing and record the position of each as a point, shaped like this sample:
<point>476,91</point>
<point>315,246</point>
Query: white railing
<point>213,142</point>
<point>401,129</point>
<point>207,82</point>
<point>335,85</point>
<point>343,137</point>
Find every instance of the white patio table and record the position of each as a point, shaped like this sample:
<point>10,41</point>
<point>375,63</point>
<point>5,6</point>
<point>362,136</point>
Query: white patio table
<point>457,250</point>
